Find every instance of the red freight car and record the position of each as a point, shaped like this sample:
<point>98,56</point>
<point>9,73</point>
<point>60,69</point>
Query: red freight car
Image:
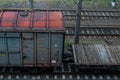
<point>31,38</point>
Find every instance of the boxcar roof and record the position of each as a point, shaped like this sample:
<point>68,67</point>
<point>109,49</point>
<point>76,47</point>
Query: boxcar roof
<point>31,20</point>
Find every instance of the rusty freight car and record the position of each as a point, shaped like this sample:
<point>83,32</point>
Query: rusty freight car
<point>31,38</point>
<point>97,51</point>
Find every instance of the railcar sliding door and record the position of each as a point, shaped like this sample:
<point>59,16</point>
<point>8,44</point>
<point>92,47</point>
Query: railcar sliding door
<point>56,49</point>
<point>43,54</point>
<point>28,48</point>
<point>14,47</point>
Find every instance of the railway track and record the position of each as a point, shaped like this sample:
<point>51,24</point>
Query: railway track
<point>91,14</point>
<point>63,73</point>
<point>94,31</point>
<point>93,18</point>
<point>59,77</point>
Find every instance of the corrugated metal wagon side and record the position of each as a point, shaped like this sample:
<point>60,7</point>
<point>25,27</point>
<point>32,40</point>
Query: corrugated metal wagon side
<point>31,38</point>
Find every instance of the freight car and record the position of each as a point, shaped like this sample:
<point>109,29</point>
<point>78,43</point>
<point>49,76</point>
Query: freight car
<point>31,38</point>
<point>97,52</point>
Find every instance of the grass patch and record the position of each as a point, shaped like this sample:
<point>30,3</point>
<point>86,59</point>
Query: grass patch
<point>68,43</point>
<point>100,4</point>
<point>94,4</point>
